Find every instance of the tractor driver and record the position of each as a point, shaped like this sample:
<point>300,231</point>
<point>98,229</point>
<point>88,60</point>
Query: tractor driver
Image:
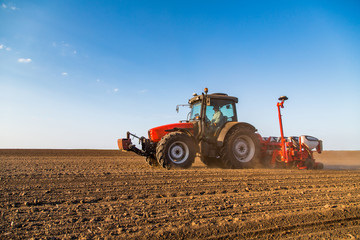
<point>217,117</point>
<point>215,123</point>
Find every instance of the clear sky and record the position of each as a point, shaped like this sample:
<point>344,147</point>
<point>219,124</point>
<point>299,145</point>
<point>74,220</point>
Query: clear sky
<point>79,74</point>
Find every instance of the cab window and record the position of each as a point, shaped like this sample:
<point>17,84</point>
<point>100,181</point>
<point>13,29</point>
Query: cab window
<point>226,108</point>
<point>195,110</point>
<point>228,111</point>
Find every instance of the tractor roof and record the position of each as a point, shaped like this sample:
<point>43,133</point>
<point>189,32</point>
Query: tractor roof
<point>220,96</point>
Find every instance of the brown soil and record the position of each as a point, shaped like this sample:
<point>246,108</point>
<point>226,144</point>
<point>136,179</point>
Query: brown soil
<point>96,194</point>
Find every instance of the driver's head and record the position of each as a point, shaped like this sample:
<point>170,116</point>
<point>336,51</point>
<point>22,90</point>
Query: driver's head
<point>216,108</point>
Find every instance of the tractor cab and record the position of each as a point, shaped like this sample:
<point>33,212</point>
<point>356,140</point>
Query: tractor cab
<point>211,112</point>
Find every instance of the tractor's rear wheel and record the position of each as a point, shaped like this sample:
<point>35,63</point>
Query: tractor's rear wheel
<point>241,149</point>
<point>176,149</point>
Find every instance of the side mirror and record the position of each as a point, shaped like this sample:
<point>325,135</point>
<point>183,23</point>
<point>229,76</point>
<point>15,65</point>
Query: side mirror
<point>181,105</point>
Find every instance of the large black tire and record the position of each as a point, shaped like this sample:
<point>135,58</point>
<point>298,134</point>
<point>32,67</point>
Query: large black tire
<point>151,160</point>
<point>241,149</point>
<point>212,162</point>
<point>176,150</point>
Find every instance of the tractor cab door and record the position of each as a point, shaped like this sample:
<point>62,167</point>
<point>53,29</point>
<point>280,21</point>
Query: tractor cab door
<point>218,112</point>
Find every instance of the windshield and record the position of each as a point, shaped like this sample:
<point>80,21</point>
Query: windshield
<point>195,110</point>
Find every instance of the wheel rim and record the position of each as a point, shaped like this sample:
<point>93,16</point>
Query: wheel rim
<point>244,149</point>
<point>178,152</point>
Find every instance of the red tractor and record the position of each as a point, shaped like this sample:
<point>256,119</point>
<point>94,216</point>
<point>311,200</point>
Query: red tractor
<point>213,133</point>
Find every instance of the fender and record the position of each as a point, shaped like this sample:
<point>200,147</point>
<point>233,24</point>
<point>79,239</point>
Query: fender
<point>155,134</point>
<point>229,126</point>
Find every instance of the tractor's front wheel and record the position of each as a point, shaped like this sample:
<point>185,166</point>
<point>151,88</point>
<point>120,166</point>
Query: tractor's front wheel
<point>176,149</point>
<point>241,149</point>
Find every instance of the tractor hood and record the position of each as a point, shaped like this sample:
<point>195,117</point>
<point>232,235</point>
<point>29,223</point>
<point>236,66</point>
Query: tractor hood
<point>155,134</point>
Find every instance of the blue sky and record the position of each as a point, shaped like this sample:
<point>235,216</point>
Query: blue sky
<point>79,74</point>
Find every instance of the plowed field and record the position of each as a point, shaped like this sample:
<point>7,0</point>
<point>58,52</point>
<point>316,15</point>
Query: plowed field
<point>98,194</point>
